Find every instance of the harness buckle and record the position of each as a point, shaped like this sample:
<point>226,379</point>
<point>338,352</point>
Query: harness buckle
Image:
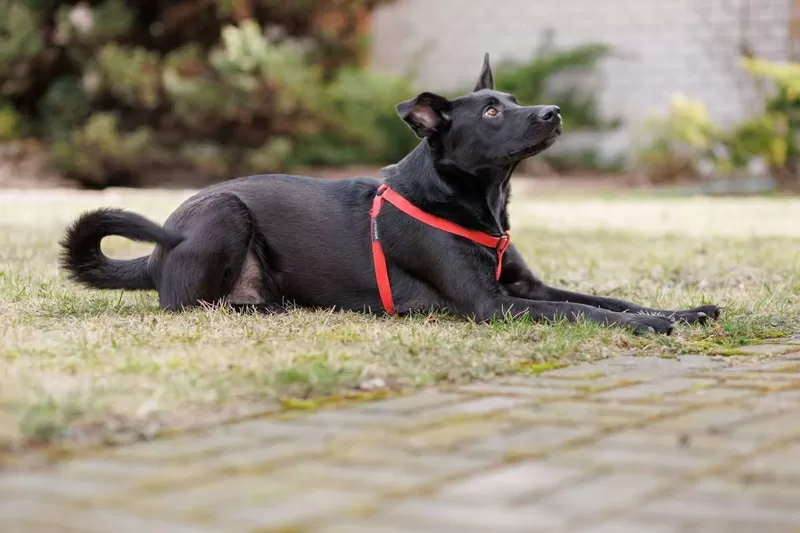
<point>503,243</point>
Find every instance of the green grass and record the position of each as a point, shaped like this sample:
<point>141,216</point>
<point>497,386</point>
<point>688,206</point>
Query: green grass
<point>78,363</point>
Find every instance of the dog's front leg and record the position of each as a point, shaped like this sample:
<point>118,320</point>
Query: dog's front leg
<point>519,281</point>
<point>543,311</point>
<point>689,316</point>
<point>474,293</point>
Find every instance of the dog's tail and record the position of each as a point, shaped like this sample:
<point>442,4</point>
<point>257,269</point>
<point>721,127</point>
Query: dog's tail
<point>85,263</point>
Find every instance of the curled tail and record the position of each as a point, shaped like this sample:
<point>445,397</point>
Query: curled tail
<point>85,263</point>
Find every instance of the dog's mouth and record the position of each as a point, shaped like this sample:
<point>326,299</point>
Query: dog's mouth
<point>539,146</point>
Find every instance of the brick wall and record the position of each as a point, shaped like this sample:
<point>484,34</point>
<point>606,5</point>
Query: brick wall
<point>667,46</point>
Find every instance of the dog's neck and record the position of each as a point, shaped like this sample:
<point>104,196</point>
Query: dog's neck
<point>438,186</point>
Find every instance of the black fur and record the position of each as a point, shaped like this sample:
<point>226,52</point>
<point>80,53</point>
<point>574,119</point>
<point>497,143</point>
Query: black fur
<point>85,263</point>
<point>260,241</point>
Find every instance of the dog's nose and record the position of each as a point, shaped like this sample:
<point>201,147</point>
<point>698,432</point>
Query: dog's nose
<point>551,113</point>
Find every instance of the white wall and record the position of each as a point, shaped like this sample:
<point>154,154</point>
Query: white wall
<point>667,46</point>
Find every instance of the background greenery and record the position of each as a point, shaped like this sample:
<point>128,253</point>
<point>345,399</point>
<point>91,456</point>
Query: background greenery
<point>128,92</point>
<point>685,142</point>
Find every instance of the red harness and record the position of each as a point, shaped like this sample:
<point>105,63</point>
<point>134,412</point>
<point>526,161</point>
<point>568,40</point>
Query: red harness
<point>500,244</point>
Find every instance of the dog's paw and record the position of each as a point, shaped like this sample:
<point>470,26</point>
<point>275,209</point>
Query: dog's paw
<point>643,324</point>
<point>698,315</point>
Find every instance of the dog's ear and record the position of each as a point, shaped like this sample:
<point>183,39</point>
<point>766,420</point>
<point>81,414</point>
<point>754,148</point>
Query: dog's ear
<point>486,79</point>
<point>426,114</point>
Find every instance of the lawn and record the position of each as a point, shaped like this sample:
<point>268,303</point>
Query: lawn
<point>81,364</point>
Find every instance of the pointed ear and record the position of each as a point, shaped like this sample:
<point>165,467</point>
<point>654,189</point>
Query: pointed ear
<point>426,114</point>
<point>486,79</point>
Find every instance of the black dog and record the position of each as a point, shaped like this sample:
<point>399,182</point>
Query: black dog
<point>258,242</point>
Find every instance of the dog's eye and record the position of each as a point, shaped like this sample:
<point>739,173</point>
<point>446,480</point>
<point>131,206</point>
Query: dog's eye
<point>490,112</point>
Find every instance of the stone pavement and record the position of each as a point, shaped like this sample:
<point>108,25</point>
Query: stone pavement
<point>626,445</point>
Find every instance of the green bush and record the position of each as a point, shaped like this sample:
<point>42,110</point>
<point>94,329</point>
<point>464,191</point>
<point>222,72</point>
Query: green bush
<point>122,90</point>
<point>676,143</point>
<point>672,144</point>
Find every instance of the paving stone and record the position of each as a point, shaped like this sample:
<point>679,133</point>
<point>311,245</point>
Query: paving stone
<point>740,526</point>
<point>779,426</point>
<point>413,403</point>
<point>760,494</point>
<point>702,444</point>
<point>702,362</point>
<point>510,482</point>
<point>594,413</point>
<point>314,427</point>
<point>779,366</point>
<point>538,439</point>
<point>104,470</point>
<point>654,368</point>
<point>604,493</point>
<point>264,430</point>
<point>185,448</point>
<point>384,478</point>
<point>764,382</point>
<point>47,486</point>
<point>554,386</point>
<point>486,405</point>
<point>530,391</point>
<point>713,419</point>
<point>600,448</point>
<point>775,369</point>
<point>446,437</point>
<point>709,395</point>
<point>300,509</point>
<point>210,496</point>
<point>345,419</point>
<point>582,372</point>
<point>626,525</point>
<point>472,518</point>
<point>655,389</point>
<point>37,517</point>
<point>778,466</point>
<point>371,526</point>
<point>675,524</point>
<point>264,457</point>
<point>692,505</point>
<point>767,349</point>
<point>785,398</point>
<point>666,461</point>
<point>426,462</point>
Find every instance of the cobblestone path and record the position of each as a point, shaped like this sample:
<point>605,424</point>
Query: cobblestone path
<point>626,445</point>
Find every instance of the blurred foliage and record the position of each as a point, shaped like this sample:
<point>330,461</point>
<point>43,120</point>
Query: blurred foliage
<point>126,90</point>
<point>775,135</point>
<point>674,143</point>
<point>683,141</point>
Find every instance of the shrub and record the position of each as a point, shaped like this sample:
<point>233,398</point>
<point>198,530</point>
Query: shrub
<point>141,93</point>
<point>677,144</point>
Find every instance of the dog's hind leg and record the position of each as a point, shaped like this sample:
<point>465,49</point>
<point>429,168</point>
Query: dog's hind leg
<point>219,262</point>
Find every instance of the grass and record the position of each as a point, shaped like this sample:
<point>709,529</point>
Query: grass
<point>80,364</point>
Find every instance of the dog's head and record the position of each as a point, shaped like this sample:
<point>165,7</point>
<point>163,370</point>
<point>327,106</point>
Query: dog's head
<point>482,129</point>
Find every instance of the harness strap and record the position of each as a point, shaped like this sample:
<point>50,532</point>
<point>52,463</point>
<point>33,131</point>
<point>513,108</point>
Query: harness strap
<point>500,244</point>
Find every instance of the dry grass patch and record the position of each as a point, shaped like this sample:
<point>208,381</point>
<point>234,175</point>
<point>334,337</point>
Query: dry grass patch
<point>75,361</point>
